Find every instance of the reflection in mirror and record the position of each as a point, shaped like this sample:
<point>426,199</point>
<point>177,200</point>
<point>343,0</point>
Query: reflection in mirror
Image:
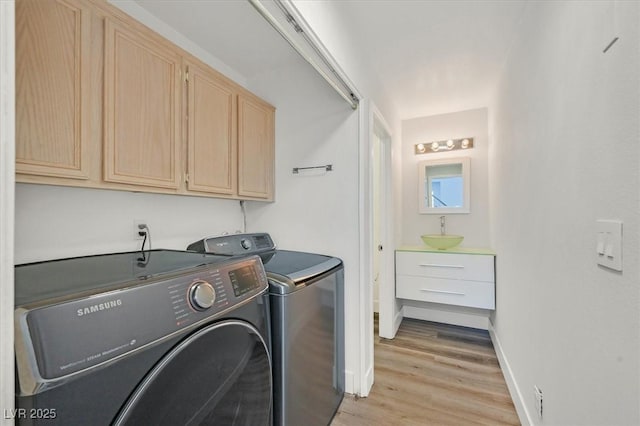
<point>444,186</point>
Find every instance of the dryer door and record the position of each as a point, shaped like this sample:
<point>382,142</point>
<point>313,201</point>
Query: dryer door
<point>218,375</point>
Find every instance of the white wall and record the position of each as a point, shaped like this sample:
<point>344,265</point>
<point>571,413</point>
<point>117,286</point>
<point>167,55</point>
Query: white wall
<point>315,212</point>
<point>55,222</point>
<point>564,152</point>
<point>475,225</point>
<point>332,29</point>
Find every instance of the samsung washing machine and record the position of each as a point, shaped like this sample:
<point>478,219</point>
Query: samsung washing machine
<point>159,337</point>
<point>307,326</point>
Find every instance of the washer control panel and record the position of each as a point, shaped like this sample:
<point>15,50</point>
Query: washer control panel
<point>216,289</point>
<point>201,295</point>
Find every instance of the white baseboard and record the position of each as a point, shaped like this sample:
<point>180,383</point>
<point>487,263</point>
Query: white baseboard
<point>349,382</point>
<point>476,319</point>
<point>389,333</point>
<point>368,382</point>
<point>397,320</point>
<point>514,389</point>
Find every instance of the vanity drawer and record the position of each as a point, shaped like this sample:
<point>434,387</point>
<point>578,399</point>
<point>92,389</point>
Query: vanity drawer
<point>450,266</point>
<point>475,294</point>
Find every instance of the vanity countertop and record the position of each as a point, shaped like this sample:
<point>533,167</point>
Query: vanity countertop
<point>455,250</point>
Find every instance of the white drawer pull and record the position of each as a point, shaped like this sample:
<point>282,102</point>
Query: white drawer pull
<point>436,265</point>
<point>427,290</point>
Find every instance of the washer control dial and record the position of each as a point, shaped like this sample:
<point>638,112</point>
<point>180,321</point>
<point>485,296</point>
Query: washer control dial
<point>201,295</point>
<point>246,244</point>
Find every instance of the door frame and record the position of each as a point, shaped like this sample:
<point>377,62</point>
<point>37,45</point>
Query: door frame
<point>387,303</point>
<point>7,200</point>
<point>372,122</point>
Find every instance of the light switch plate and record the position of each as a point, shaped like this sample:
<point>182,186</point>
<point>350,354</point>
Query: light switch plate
<point>609,244</point>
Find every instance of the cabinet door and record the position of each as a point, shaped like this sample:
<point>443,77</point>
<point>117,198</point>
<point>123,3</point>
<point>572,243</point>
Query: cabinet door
<point>141,109</point>
<point>52,81</point>
<point>255,147</point>
<point>212,137</point>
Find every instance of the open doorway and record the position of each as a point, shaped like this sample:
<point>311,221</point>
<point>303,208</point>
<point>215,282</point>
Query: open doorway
<point>377,216</point>
<point>377,287</point>
<point>382,247</point>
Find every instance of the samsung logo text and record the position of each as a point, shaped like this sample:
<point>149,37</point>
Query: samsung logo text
<point>99,307</point>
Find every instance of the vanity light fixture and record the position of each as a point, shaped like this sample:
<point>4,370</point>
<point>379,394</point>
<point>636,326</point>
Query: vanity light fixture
<point>443,146</point>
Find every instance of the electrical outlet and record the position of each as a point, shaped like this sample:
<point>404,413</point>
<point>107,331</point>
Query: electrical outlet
<point>137,229</point>
<point>538,398</point>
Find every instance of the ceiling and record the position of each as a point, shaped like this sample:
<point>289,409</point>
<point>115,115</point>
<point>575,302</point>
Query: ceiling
<point>434,56</point>
<point>429,57</point>
<point>231,30</point>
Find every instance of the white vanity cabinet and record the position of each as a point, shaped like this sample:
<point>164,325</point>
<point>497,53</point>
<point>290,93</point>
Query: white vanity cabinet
<point>462,278</point>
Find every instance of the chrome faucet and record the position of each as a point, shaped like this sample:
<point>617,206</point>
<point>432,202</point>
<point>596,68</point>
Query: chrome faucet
<point>442,225</point>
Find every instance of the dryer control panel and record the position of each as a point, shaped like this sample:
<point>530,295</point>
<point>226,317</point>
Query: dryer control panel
<point>57,340</point>
<point>235,244</point>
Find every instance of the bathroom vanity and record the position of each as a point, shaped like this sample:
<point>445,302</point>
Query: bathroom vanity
<point>460,277</point>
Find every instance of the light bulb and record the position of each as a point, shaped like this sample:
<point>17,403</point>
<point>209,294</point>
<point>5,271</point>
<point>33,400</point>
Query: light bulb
<point>450,144</point>
<point>420,147</point>
<point>465,143</point>
<point>435,146</point>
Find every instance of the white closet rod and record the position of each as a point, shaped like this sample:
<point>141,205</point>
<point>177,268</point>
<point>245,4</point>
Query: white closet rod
<point>348,94</point>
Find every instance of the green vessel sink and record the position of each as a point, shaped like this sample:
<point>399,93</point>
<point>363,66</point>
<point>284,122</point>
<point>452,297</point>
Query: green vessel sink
<point>442,242</point>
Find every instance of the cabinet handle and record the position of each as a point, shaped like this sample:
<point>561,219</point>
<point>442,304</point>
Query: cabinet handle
<point>427,290</point>
<point>436,265</point>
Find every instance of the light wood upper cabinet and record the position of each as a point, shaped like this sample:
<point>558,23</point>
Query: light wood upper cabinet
<point>255,147</point>
<point>141,109</point>
<point>104,102</point>
<point>212,133</point>
<point>52,96</point>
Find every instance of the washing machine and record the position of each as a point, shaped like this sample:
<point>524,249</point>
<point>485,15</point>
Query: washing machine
<point>307,326</point>
<point>159,337</point>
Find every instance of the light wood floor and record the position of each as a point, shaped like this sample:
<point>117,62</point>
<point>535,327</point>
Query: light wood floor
<point>432,374</point>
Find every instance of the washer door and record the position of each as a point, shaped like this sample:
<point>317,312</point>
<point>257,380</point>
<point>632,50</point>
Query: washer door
<point>219,375</point>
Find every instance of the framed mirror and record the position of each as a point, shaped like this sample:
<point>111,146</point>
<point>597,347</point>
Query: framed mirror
<point>444,186</point>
